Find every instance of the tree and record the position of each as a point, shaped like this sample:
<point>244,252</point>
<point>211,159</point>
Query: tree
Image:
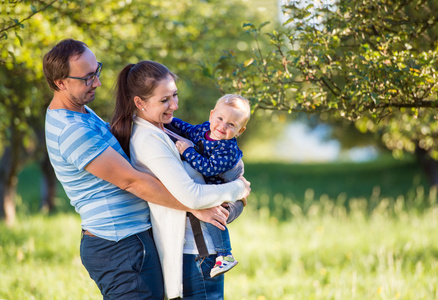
<point>178,34</point>
<point>372,63</point>
<point>21,105</point>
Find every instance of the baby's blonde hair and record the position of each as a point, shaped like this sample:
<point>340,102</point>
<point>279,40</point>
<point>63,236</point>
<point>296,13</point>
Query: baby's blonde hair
<point>237,102</point>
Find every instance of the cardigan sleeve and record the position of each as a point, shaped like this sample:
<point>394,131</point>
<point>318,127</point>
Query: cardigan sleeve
<point>152,151</point>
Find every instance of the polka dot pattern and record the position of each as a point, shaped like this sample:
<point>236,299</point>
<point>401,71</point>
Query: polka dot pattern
<point>215,158</point>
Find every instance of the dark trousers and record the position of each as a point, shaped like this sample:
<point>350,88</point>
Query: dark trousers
<point>127,269</point>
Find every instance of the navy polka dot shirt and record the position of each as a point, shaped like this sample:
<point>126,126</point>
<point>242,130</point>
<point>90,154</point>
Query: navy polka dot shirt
<point>210,158</point>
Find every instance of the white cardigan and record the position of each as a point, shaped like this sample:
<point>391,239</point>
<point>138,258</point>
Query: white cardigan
<point>153,152</point>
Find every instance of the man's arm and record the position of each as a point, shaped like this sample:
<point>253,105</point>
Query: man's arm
<point>112,167</point>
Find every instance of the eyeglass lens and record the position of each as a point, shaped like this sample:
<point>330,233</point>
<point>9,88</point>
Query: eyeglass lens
<point>91,79</point>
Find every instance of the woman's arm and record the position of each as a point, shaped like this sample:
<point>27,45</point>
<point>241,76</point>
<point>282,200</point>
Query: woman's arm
<point>112,167</point>
<point>154,152</point>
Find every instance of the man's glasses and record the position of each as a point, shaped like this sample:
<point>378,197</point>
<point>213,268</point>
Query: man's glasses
<point>90,78</point>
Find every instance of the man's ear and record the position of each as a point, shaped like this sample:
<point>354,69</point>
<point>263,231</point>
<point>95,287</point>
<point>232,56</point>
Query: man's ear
<point>60,83</point>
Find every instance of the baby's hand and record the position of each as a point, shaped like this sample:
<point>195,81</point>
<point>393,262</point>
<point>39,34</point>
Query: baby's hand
<point>182,146</point>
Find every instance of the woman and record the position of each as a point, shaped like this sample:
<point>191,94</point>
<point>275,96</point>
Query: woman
<point>147,91</point>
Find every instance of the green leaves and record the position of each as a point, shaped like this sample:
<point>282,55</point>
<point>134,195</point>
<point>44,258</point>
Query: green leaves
<point>33,9</point>
<point>178,34</point>
<point>361,61</point>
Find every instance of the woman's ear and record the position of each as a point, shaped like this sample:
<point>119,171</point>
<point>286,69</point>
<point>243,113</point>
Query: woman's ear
<point>138,102</point>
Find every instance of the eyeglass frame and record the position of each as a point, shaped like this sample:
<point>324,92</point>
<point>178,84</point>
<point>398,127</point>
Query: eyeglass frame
<point>95,74</point>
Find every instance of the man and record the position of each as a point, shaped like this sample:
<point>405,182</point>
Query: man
<point>117,247</point>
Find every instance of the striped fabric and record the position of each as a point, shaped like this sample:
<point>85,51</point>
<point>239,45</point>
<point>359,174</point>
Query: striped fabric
<point>73,141</point>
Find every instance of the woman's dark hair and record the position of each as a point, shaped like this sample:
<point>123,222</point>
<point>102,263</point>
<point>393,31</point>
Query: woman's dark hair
<point>56,62</point>
<point>140,80</point>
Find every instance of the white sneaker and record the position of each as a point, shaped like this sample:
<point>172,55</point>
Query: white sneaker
<point>223,264</point>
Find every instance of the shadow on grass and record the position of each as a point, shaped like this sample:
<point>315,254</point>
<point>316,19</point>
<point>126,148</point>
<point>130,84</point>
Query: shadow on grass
<point>276,186</point>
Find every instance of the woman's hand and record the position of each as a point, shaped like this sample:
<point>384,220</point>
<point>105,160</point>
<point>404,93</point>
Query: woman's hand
<point>247,189</point>
<point>216,216</point>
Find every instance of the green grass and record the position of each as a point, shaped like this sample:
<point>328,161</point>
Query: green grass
<point>40,260</point>
<point>355,180</point>
<point>277,187</point>
<point>336,256</point>
<point>365,231</point>
<point>321,255</point>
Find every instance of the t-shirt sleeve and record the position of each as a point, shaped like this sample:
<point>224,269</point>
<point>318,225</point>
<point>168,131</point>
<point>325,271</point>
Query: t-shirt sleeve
<point>80,144</point>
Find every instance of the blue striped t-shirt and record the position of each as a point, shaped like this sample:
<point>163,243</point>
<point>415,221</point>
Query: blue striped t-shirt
<point>73,140</point>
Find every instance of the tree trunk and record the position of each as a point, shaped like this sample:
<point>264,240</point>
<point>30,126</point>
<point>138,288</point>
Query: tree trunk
<point>48,177</point>
<point>48,185</point>
<point>8,185</point>
<point>429,165</point>
<point>13,157</point>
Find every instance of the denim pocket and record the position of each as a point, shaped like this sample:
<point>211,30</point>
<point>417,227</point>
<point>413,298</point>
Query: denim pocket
<point>138,254</point>
<point>96,257</point>
<point>95,249</point>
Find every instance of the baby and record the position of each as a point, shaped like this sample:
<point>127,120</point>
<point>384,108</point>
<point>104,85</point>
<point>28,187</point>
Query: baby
<point>215,155</point>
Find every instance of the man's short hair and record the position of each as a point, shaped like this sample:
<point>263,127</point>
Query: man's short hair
<point>56,62</point>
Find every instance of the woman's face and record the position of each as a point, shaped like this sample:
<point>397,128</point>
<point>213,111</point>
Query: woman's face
<point>159,108</point>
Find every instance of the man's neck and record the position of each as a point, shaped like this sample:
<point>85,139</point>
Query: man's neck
<point>60,102</point>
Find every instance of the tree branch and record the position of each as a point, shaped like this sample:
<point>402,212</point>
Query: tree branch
<point>25,19</point>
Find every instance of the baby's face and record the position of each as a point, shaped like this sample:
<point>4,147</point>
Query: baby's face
<point>226,122</point>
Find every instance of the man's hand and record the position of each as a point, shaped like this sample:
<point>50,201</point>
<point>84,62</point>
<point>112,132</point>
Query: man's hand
<point>216,216</point>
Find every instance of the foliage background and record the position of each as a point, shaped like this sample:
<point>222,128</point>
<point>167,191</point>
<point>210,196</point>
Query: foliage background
<point>348,231</point>
<point>183,35</point>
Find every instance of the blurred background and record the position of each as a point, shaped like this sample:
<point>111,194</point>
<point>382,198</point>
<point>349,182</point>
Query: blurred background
<point>340,149</point>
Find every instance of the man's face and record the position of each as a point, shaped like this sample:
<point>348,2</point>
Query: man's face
<point>82,66</point>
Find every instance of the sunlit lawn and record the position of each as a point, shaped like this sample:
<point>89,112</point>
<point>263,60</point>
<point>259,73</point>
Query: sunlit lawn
<point>335,256</point>
<point>319,256</point>
<point>290,246</point>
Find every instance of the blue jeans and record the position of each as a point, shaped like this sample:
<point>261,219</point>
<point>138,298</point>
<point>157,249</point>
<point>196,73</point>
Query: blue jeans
<point>221,238</point>
<point>197,283</point>
<point>128,269</point>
